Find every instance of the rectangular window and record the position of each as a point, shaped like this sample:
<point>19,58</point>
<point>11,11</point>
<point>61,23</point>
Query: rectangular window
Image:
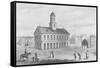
<point>47,45</point>
<point>54,37</point>
<point>51,37</point>
<point>44,46</point>
<point>54,45</point>
<point>44,37</point>
<point>47,37</point>
<point>50,45</point>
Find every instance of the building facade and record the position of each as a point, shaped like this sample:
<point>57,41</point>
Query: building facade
<point>92,41</point>
<point>51,37</point>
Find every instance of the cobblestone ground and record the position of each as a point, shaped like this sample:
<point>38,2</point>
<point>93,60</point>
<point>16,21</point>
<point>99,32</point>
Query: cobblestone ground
<point>66,54</point>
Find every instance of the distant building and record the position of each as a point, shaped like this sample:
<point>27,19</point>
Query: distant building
<point>72,40</point>
<point>24,40</point>
<point>92,41</point>
<point>75,40</point>
<point>78,40</point>
<point>51,37</point>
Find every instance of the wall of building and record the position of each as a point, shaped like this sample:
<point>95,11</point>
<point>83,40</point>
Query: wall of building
<point>50,41</point>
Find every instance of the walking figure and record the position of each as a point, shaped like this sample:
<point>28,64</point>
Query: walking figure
<point>79,56</point>
<point>35,58</point>
<point>52,54</point>
<point>75,56</point>
<point>87,55</point>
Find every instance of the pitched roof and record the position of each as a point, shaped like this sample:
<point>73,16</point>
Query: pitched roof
<point>48,30</point>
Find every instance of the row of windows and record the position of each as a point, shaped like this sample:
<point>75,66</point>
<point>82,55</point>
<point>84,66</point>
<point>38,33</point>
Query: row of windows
<point>54,45</point>
<point>53,37</point>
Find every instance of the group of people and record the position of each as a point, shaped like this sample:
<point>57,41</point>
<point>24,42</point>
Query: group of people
<point>78,56</point>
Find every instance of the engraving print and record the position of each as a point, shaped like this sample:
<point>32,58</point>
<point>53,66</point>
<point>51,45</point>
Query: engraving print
<point>54,34</point>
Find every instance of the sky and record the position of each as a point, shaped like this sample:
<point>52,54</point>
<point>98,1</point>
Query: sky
<point>76,20</point>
